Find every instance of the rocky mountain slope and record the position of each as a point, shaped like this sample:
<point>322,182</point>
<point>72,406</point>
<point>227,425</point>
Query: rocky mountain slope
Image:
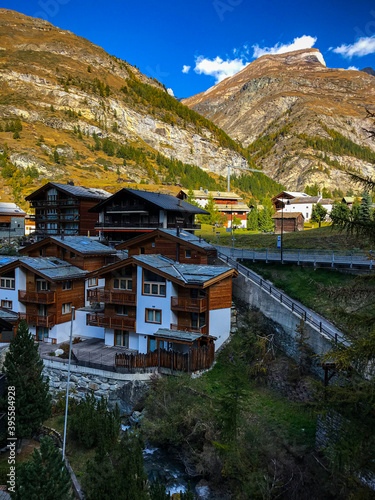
<point>69,110</point>
<point>301,121</point>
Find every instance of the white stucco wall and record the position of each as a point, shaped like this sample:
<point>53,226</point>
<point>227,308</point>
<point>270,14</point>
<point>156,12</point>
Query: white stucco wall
<point>20,284</point>
<point>219,325</point>
<point>81,329</point>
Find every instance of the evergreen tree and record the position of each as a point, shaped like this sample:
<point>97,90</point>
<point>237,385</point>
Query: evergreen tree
<point>318,213</point>
<point>16,135</point>
<point>236,222</point>
<point>266,224</point>
<point>56,157</point>
<point>23,368</point>
<point>252,220</point>
<point>117,474</point>
<point>365,208</point>
<point>44,477</point>
<point>191,198</point>
<point>213,216</point>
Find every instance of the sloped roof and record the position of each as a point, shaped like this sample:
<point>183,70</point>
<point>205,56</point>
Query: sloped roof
<point>201,194</point>
<point>77,191</point>
<point>80,244</point>
<point>241,207</point>
<point>50,267</point>
<point>185,236</point>
<point>163,201</point>
<point>11,208</point>
<point>286,215</point>
<point>188,273</point>
<point>179,335</point>
<point>305,199</point>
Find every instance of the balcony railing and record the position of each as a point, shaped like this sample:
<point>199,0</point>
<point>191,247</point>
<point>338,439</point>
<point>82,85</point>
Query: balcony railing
<point>188,304</point>
<point>35,319</point>
<point>107,296</point>
<point>184,225</point>
<point>118,322</point>
<point>37,297</point>
<point>53,203</point>
<point>126,209</point>
<point>62,217</point>
<point>184,328</point>
<point>126,225</point>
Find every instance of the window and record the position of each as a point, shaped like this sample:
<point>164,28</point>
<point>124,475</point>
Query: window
<point>72,255</point>
<point>7,283</point>
<point>198,320</point>
<point>42,286</point>
<point>153,316</point>
<point>121,338</point>
<point>188,254</point>
<point>196,293</point>
<point>42,310</point>
<point>123,284</point>
<point>66,308</point>
<point>142,250</point>
<point>67,285</point>
<point>122,310</point>
<point>8,304</point>
<point>92,282</point>
<point>153,284</point>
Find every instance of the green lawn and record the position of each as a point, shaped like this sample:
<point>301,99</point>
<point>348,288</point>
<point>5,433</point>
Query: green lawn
<point>347,300</point>
<point>325,238</point>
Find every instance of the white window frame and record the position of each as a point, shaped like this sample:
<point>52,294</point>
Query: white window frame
<point>67,285</point>
<point>66,308</point>
<point>92,282</point>
<point>8,283</point>
<point>153,320</point>
<point>7,304</point>
<point>123,284</point>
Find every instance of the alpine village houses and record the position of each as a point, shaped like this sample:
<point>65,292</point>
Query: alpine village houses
<point>161,288</point>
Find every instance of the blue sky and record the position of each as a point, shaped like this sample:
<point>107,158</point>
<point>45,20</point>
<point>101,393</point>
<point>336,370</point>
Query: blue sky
<point>213,38</point>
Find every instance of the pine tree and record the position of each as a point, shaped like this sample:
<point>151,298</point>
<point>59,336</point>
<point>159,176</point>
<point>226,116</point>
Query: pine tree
<point>365,208</point>
<point>252,220</point>
<point>44,477</point>
<point>117,474</point>
<point>23,368</point>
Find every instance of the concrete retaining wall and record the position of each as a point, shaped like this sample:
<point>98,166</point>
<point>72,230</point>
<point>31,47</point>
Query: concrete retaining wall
<point>285,320</point>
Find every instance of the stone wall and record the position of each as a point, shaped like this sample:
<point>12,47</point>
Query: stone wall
<point>127,393</point>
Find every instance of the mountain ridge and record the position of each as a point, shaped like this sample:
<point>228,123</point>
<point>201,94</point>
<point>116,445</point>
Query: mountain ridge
<point>298,92</point>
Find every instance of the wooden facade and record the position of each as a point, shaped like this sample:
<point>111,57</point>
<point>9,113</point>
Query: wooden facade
<point>65,209</point>
<point>171,246</point>
<point>288,221</point>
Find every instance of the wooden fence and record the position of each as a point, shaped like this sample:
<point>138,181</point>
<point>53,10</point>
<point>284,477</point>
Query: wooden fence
<point>200,358</point>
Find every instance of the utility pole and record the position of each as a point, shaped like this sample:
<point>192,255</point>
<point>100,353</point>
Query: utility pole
<point>228,180</point>
<point>67,386</point>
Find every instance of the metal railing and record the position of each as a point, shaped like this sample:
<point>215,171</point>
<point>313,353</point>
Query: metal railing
<point>299,256</point>
<point>322,326</point>
<point>126,225</point>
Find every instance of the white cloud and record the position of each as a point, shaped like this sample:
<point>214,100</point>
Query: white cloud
<point>302,42</point>
<point>170,92</point>
<point>186,69</point>
<point>362,47</point>
<point>353,68</point>
<point>218,68</point>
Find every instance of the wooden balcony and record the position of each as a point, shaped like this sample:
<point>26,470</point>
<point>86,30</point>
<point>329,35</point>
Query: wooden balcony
<point>126,297</point>
<point>187,304</point>
<point>185,328</point>
<point>117,322</point>
<point>36,297</point>
<point>34,319</point>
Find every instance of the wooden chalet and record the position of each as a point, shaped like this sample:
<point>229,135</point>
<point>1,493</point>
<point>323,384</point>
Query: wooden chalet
<point>145,293</point>
<point>12,220</point>
<point>80,251</point>
<point>42,291</point>
<point>180,245</point>
<point>130,212</point>
<point>65,209</point>
<point>289,222</point>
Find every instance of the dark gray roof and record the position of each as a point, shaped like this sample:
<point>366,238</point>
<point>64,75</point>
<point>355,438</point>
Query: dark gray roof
<point>51,267</point>
<point>164,201</point>
<point>83,192</point>
<point>78,191</point>
<point>188,273</point>
<point>190,237</point>
<point>8,315</point>
<point>177,335</point>
<point>84,245</point>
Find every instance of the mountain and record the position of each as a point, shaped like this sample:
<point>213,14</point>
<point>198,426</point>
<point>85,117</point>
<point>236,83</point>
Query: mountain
<point>301,121</point>
<point>369,71</point>
<point>69,110</point>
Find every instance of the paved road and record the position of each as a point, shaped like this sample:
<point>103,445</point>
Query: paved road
<point>325,327</point>
<point>332,258</point>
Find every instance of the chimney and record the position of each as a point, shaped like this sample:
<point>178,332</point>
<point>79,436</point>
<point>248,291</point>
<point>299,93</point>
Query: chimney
<point>179,202</point>
<point>178,231</point>
<point>62,234</point>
